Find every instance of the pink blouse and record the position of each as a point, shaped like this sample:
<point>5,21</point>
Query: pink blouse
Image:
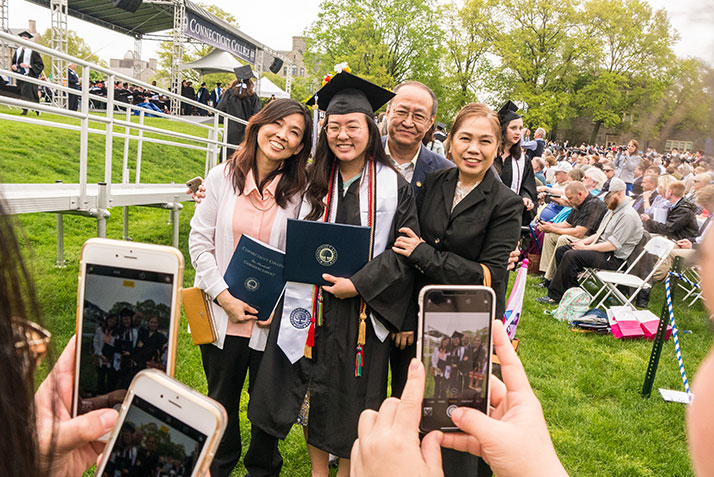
<point>254,216</point>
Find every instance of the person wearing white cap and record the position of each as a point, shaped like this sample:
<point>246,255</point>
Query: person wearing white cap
<point>613,242</point>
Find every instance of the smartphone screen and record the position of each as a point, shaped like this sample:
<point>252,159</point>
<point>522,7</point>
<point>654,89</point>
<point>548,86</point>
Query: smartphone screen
<point>126,319</point>
<point>152,442</point>
<point>456,352</point>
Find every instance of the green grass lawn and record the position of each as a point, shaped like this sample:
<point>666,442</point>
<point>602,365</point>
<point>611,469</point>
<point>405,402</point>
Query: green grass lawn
<point>589,384</point>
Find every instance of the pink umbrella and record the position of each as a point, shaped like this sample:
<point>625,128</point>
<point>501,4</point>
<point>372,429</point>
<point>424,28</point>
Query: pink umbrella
<point>515,301</point>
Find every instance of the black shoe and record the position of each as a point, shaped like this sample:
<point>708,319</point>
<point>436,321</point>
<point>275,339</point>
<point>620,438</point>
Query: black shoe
<point>643,299</point>
<point>37,112</point>
<point>23,113</point>
<point>546,300</point>
<point>543,284</point>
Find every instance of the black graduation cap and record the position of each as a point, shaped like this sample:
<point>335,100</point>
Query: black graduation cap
<point>457,334</point>
<point>440,125</point>
<point>25,34</point>
<point>243,73</point>
<point>508,113</point>
<point>347,93</point>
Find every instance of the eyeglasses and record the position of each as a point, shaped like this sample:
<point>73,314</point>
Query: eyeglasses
<point>334,130</point>
<point>403,114</point>
<point>608,170</point>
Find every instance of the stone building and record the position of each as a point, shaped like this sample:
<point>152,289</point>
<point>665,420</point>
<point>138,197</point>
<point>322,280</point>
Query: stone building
<point>125,66</point>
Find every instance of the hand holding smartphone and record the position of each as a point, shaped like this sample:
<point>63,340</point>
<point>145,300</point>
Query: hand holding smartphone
<point>164,428</point>
<point>455,341</point>
<point>127,318</point>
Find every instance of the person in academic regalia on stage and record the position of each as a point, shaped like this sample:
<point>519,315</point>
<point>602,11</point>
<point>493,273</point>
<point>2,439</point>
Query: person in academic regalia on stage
<point>28,62</point>
<point>325,374</point>
<point>239,100</point>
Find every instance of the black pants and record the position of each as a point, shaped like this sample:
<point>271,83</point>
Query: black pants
<point>571,262</point>
<point>225,372</point>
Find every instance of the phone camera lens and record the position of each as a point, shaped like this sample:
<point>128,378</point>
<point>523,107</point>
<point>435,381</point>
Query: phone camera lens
<point>162,396</point>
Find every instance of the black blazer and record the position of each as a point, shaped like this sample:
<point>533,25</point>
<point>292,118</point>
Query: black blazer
<point>482,229</point>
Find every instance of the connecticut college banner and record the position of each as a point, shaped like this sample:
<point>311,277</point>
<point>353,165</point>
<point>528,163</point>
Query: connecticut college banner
<point>209,33</point>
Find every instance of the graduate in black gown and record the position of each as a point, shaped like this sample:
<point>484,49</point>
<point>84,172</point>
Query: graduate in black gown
<point>343,376</point>
<point>28,62</point>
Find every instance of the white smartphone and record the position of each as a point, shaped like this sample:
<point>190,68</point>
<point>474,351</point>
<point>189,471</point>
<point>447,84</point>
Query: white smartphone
<point>164,428</point>
<point>454,342</point>
<point>128,313</point>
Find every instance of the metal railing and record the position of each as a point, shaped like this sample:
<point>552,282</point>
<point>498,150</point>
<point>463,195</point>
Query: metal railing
<point>117,125</point>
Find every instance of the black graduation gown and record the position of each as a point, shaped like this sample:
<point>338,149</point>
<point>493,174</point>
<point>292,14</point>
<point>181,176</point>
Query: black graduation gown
<point>27,90</point>
<point>337,397</point>
<point>243,108</point>
<point>528,184</point>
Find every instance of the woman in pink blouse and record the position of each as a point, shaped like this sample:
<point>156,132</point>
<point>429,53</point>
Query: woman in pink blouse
<point>253,193</point>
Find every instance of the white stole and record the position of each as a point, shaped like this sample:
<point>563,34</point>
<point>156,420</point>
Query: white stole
<point>297,307</point>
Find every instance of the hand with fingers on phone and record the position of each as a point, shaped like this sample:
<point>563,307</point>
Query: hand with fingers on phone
<point>513,439</point>
<point>238,311</point>
<point>403,339</point>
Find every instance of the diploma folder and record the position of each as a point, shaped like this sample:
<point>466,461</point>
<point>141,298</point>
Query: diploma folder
<point>255,275</point>
<point>314,248</point>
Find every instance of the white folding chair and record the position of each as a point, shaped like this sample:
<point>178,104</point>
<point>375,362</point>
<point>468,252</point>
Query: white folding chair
<point>692,291</point>
<point>658,246</point>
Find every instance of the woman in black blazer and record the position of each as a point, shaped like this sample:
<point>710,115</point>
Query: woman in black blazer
<point>469,220</point>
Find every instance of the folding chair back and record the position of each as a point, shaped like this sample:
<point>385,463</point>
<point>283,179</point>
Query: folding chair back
<point>659,246</point>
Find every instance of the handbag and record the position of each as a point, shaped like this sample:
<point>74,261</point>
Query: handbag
<point>199,316</point>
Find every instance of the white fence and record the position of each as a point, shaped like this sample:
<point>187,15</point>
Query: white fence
<point>94,200</point>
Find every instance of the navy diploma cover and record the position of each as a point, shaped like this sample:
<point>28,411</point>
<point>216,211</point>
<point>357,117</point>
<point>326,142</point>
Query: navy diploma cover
<point>255,275</point>
<point>314,248</point>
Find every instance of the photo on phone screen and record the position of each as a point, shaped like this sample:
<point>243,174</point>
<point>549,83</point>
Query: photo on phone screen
<point>152,442</point>
<point>455,350</point>
<point>125,328</point>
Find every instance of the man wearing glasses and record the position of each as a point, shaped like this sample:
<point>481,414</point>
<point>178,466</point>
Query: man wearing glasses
<point>609,171</point>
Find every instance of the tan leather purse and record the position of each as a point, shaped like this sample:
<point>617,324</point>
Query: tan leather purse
<point>198,313</point>
<point>486,275</point>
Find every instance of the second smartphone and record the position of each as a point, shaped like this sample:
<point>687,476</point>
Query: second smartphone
<point>127,318</point>
<point>454,342</point>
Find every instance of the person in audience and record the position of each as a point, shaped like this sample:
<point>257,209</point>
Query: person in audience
<point>648,195</point>
<point>609,169</point>
<point>687,247</point>
<point>681,220</point>
<point>639,176</point>
<point>593,180</point>
<point>697,184</point>
<point>619,232</point>
<point>657,208</point>
<point>625,163</point>
<point>583,221</point>
<point>539,171</point>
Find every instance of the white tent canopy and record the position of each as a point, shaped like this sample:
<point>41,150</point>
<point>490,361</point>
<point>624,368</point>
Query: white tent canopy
<point>219,61</point>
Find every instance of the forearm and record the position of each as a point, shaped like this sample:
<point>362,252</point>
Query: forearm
<point>602,247</point>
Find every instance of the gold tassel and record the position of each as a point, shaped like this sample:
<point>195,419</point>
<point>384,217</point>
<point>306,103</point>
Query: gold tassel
<point>308,352</point>
<point>362,337</point>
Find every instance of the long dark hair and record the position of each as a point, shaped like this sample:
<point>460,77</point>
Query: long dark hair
<point>515,151</point>
<point>324,160</point>
<point>293,169</point>
<point>18,300</point>
<point>246,91</point>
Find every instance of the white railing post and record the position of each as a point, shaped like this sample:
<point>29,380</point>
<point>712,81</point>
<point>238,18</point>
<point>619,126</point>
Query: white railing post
<point>109,135</point>
<point>139,145</point>
<point>125,159</point>
<point>84,140</point>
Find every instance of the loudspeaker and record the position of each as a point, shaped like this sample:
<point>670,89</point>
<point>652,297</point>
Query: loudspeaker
<point>277,64</point>
<point>128,5</point>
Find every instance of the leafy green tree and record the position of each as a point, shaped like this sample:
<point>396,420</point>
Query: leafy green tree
<point>538,52</point>
<point>385,41</point>
<point>631,52</point>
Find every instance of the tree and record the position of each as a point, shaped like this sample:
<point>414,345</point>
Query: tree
<point>630,54</point>
<point>385,41</point>
<point>538,53</point>
<point>76,46</point>
<point>467,34</point>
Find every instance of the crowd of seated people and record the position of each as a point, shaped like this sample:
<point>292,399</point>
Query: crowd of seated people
<point>597,203</point>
